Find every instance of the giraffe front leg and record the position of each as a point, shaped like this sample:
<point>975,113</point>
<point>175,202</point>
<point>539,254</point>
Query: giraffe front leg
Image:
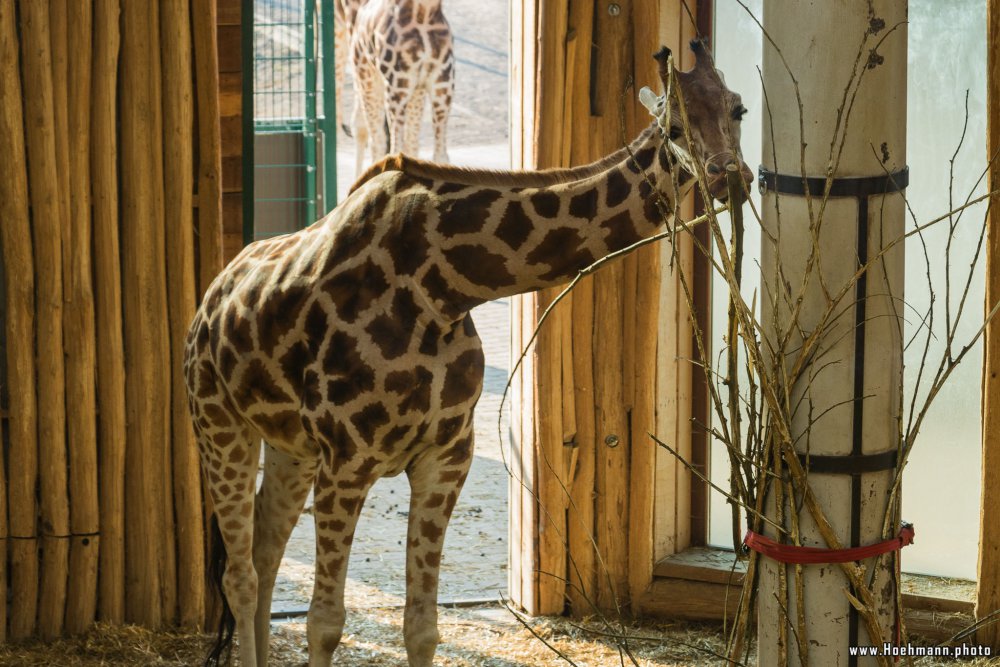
<point>279,503</point>
<point>339,494</point>
<point>436,479</point>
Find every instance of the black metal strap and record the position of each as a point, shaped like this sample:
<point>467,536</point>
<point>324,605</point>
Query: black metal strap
<point>849,464</point>
<point>862,186</point>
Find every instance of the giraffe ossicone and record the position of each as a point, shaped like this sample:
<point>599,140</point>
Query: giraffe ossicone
<point>349,349</point>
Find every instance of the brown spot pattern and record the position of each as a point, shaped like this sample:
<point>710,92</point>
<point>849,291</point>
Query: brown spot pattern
<point>406,239</point>
<point>350,374</point>
<point>546,203</point>
<point>257,386</point>
<point>369,419</point>
<point>392,332</point>
<point>515,226</point>
<point>479,266</point>
<point>618,189</point>
<point>621,231</point>
<point>413,388</point>
<point>467,214</point>
<point>354,290</point>
<point>584,205</point>
<point>462,378</point>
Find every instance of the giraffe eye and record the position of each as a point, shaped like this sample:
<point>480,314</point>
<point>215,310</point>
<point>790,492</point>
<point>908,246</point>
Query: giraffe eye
<point>675,133</point>
<point>739,112</point>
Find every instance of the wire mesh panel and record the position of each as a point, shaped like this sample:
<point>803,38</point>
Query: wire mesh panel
<point>292,187</point>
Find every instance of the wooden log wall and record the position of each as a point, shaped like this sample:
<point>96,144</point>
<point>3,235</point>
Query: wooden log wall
<point>584,516</point>
<point>111,225</point>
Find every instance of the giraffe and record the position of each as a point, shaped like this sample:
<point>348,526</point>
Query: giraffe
<point>401,51</point>
<point>344,15</point>
<point>348,347</point>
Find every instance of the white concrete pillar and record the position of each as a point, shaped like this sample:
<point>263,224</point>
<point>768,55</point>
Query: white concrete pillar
<point>861,353</point>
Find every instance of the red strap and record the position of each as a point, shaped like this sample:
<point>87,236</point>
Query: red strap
<point>789,553</point>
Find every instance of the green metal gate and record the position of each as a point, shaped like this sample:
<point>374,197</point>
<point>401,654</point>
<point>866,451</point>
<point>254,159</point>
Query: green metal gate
<point>294,115</point>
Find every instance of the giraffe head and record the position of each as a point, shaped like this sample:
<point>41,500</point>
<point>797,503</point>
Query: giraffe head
<point>714,114</point>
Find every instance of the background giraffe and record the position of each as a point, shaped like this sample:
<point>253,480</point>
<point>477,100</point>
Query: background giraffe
<point>349,348</point>
<point>401,52</point>
<point>344,15</point>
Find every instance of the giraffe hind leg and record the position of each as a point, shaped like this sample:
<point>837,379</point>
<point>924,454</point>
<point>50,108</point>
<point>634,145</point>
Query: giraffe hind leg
<point>282,495</point>
<point>231,472</point>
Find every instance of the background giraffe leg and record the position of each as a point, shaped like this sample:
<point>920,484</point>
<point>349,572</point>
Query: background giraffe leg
<point>341,48</point>
<point>362,137</point>
<point>441,95</point>
<point>436,479</point>
<point>232,477</point>
<point>279,503</point>
<point>414,114</point>
<point>373,103</point>
<point>339,493</point>
<point>398,95</point>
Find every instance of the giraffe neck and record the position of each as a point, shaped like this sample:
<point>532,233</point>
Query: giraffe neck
<point>522,232</point>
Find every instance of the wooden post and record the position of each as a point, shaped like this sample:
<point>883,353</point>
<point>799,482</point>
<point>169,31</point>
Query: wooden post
<point>145,309</point>
<point>988,574</point>
<point>178,142</point>
<point>167,556</point>
<point>107,280</point>
<point>79,332</point>
<point>206,60</point>
<point>548,420</point>
<point>854,376</point>
<point>19,311</point>
<point>590,419</point>
<point>39,121</point>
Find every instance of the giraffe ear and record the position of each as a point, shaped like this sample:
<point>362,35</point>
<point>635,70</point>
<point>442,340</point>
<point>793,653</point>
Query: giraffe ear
<point>649,99</point>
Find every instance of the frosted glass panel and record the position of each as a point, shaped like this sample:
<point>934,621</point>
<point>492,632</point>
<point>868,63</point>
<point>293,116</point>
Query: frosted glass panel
<point>947,57</point>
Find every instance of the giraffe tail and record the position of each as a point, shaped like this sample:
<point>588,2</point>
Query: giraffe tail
<point>222,648</point>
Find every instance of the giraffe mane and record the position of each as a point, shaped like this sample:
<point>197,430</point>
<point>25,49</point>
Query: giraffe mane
<point>495,177</point>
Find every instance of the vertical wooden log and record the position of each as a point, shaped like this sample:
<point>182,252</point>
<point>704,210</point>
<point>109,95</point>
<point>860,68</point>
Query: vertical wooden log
<point>4,534</point>
<point>178,162</point>
<point>552,498</point>
<point>642,464</point>
<point>39,120</point>
<point>168,553</point>
<point>79,332</point>
<point>19,312</point>
<point>643,341</point>
<point>582,549</point>
<point>206,57</point>
<point>614,52</point>
<point>524,519</point>
<point>107,279</point>
<point>988,579</point>
<point>145,309</point>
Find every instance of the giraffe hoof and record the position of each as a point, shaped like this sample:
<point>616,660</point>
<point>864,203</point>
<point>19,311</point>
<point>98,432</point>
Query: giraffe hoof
<point>347,130</point>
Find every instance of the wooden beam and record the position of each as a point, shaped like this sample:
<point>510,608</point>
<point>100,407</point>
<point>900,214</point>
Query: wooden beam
<point>206,60</point>
<point>18,493</point>
<point>178,163</point>
<point>988,571</point>
<point>46,212</point>
<point>108,300</point>
<point>145,308</point>
<point>79,330</point>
